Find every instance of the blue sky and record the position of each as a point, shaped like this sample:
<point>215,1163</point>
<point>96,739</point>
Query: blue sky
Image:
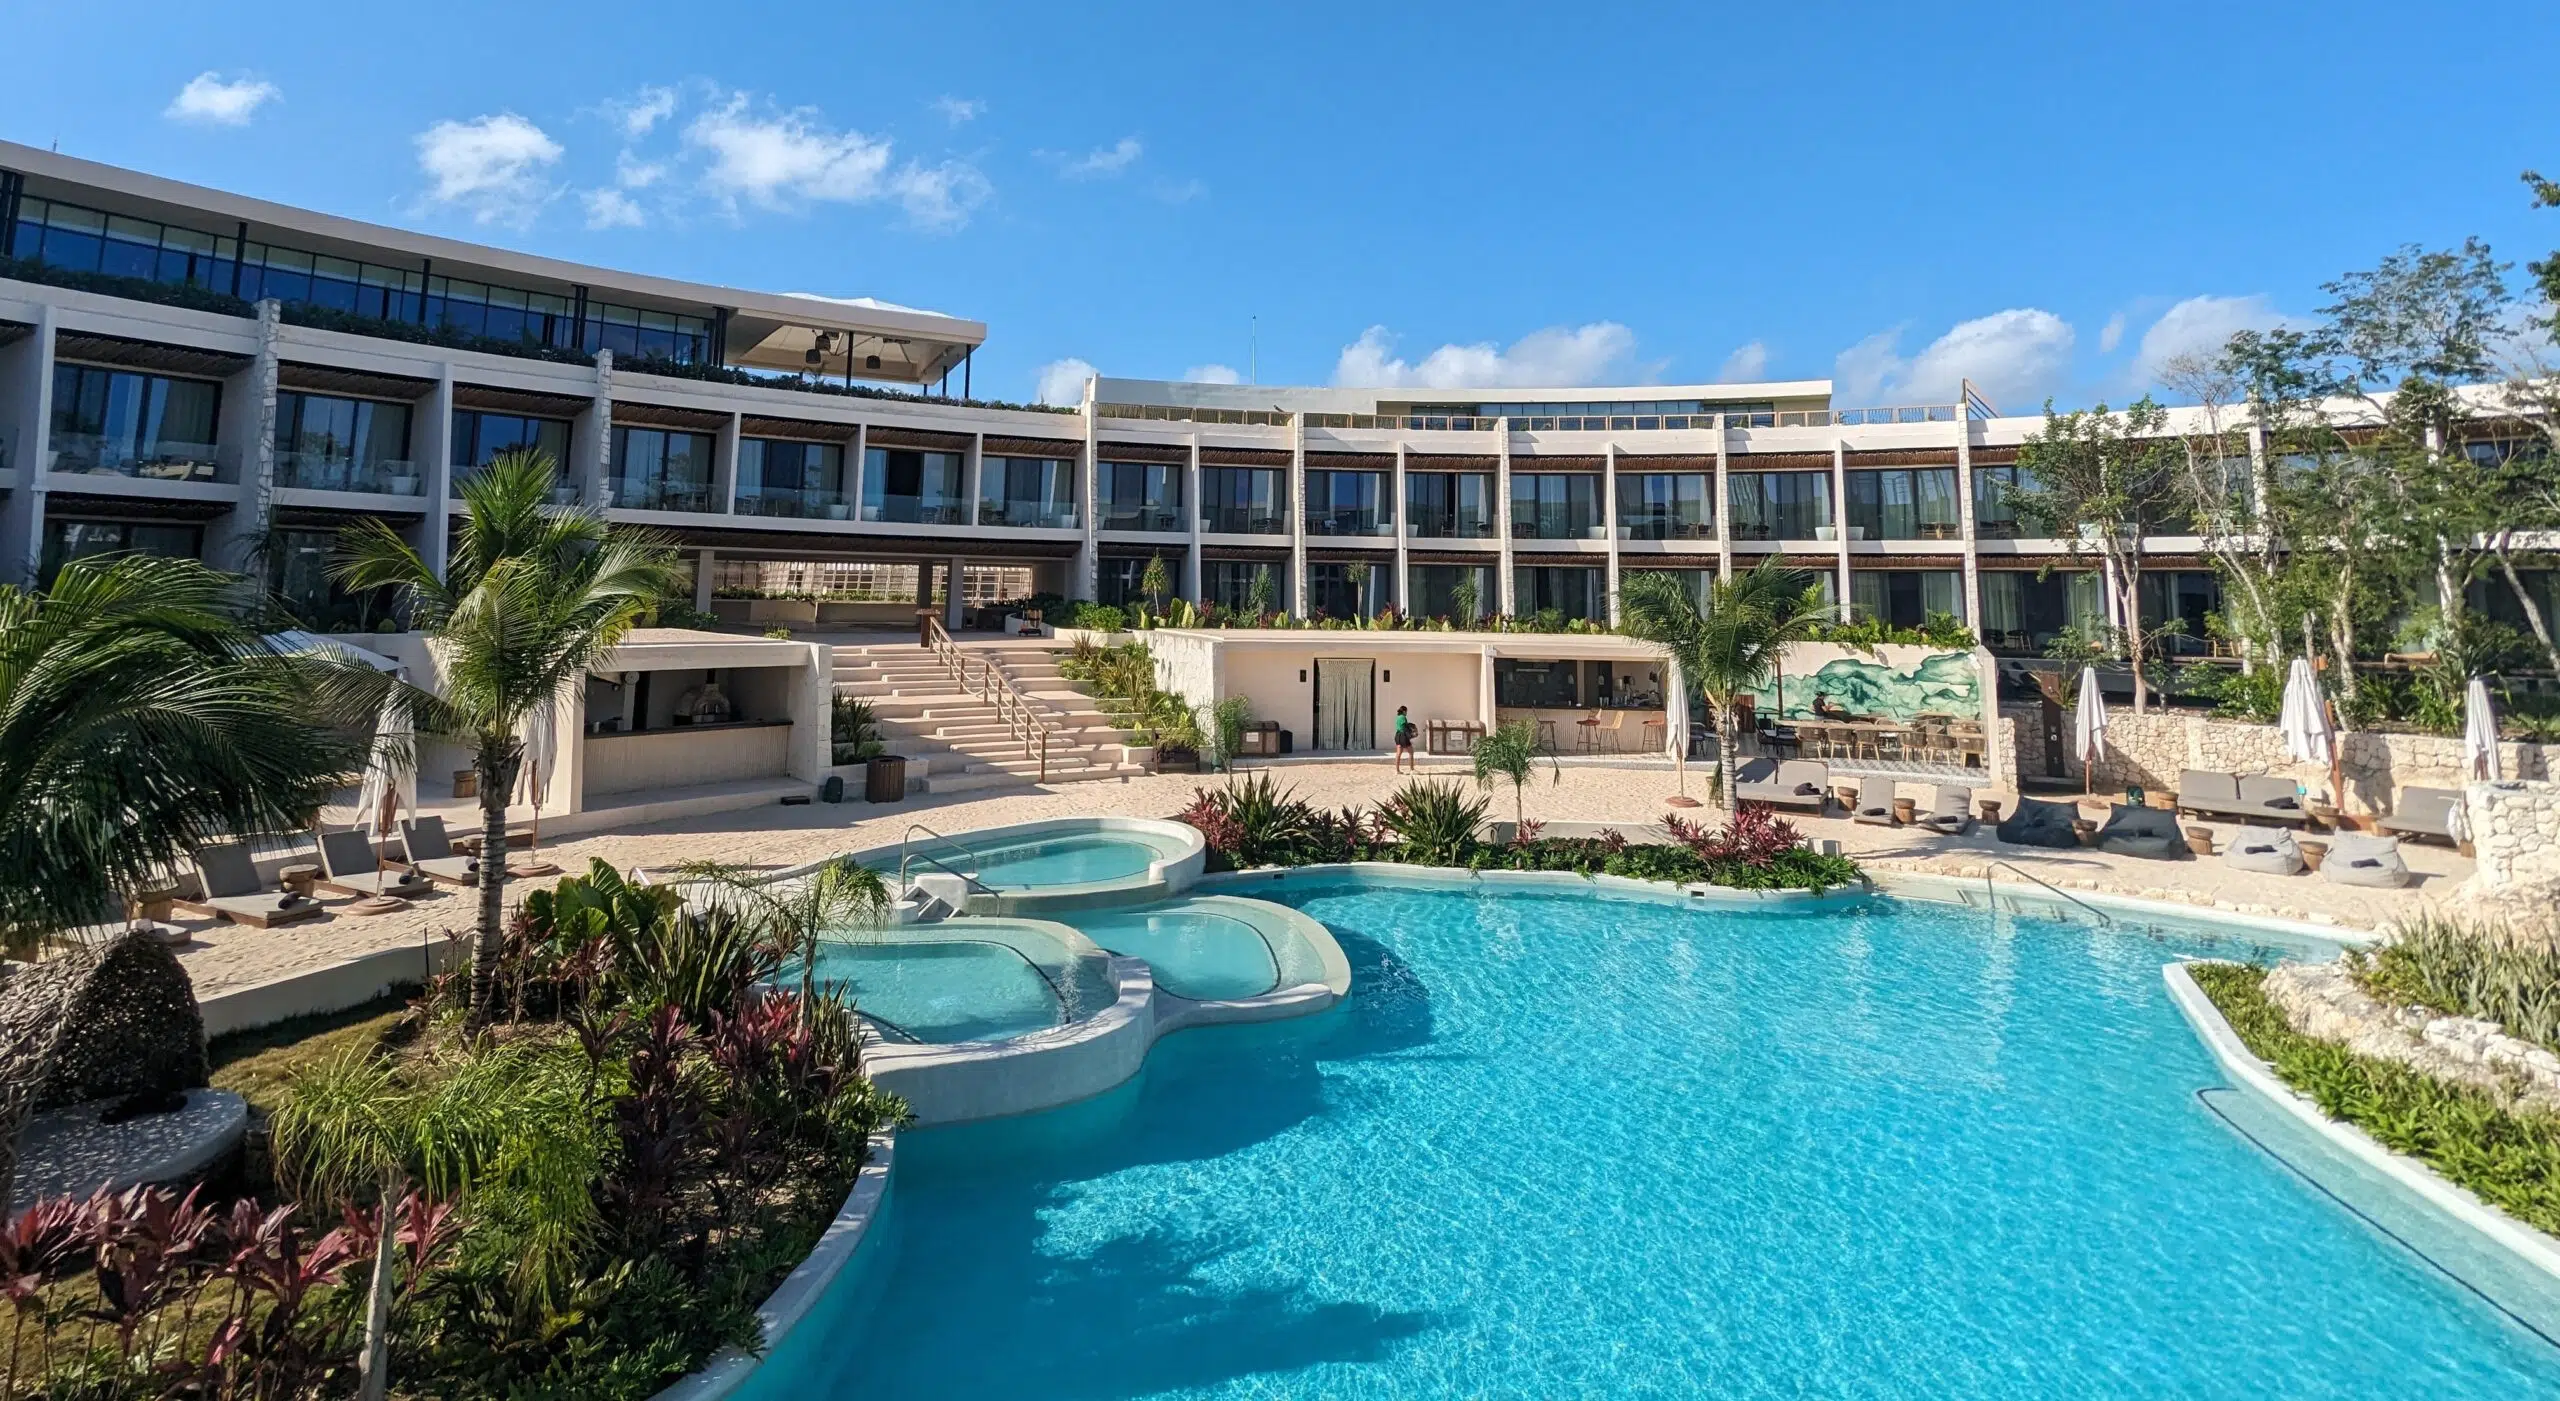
<point>2045,197</point>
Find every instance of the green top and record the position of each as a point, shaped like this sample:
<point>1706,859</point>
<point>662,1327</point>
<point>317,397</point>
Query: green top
<point>1404,727</point>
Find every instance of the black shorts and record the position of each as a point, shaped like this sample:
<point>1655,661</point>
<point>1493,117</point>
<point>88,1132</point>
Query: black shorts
<point>1404,741</point>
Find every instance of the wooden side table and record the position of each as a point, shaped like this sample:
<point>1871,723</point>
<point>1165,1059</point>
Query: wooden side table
<point>299,878</point>
<point>1906,810</point>
<point>1990,811</point>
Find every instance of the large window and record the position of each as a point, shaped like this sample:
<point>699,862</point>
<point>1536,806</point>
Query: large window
<point>1995,515</point>
<point>1695,582</point>
<point>912,487</point>
<point>2023,612</point>
<point>1117,578</point>
<point>1230,583</point>
<point>1141,496</point>
<point>1567,685</point>
<point>1028,491</point>
<point>1666,506</point>
<point>1244,500</point>
<point>1904,598</point>
<point>127,424</point>
<point>659,469</point>
<point>778,478</point>
<point>1573,591</point>
<point>1436,592</point>
<point>478,438</point>
<point>1449,505</point>
<point>2187,598</point>
<point>1348,503</point>
<point>298,575</point>
<point>335,444</point>
<point>1916,503</point>
<point>1348,590</point>
<point>1779,505</point>
<point>67,540</point>
<point>1555,505</point>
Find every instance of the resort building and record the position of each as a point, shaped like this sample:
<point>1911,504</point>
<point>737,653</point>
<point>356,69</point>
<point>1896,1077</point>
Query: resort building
<point>185,371</point>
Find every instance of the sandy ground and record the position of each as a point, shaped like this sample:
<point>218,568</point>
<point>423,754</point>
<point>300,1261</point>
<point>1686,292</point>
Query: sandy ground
<point>222,957</point>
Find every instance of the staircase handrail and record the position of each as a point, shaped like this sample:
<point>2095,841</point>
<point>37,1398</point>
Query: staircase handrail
<point>990,684</point>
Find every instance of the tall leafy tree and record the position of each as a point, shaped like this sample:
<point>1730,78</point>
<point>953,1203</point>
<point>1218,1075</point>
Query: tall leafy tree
<point>1733,644</point>
<point>2095,473</point>
<point>142,716</point>
<point>532,597</point>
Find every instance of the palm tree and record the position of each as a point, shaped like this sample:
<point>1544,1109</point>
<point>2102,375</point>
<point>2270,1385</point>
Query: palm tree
<point>1733,644</point>
<point>533,596</point>
<point>141,717</point>
<point>1511,751</point>
<point>794,912</point>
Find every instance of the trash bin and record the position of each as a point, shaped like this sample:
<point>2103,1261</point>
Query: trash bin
<point>884,779</point>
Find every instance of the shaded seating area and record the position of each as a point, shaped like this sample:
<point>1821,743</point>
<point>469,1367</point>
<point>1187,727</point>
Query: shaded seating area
<point>2039,823</point>
<point>430,853</point>
<point>1875,801</point>
<point>2146,832</point>
<point>1796,785</point>
<point>2265,850</point>
<point>2424,812</point>
<point>350,865</point>
<point>2260,798</point>
<point>2360,858</point>
<point>231,889</point>
<point>1950,810</point>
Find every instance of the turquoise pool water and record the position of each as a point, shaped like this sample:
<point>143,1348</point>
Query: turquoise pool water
<point>1563,1145</point>
<point>1194,953</point>
<point>966,980</point>
<point>1071,858</point>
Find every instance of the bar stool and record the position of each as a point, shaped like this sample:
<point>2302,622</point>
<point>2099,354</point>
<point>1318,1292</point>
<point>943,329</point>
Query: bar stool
<point>1547,735</point>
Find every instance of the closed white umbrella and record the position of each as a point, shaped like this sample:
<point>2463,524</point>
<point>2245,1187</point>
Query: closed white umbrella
<point>2479,733</point>
<point>2303,722</point>
<point>1675,724</point>
<point>390,777</point>
<point>540,733</point>
<point>2089,726</point>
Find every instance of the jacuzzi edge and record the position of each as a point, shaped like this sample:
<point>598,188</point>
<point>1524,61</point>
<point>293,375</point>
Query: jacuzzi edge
<point>800,1290</point>
<point>2243,1065</point>
<point>1945,889</point>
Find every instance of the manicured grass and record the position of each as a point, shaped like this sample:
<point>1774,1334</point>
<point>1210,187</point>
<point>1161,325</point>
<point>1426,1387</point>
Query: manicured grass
<point>256,1064</point>
<point>2511,1161</point>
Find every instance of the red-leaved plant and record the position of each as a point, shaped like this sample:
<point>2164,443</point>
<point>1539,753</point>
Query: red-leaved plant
<point>1756,836</point>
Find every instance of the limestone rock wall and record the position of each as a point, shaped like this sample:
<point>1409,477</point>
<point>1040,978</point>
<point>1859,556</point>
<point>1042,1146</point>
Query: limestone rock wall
<point>2150,750</point>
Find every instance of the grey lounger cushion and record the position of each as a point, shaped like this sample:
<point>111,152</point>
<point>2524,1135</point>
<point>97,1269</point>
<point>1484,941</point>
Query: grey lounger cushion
<point>232,890</point>
<point>2203,790</point>
<point>2039,823</point>
<point>2424,812</point>
<point>2358,858</point>
<point>2147,832</point>
<point>1875,801</point>
<point>2267,850</point>
<point>2271,796</point>
<point>1797,783</point>
<point>350,863</point>
<point>432,855</point>
<point>2263,797</point>
<point>1949,810</point>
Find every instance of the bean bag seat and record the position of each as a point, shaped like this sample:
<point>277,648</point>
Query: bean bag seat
<point>2038,823</point>
<point>2144,832</point>
<point>2266,850</point>
<point>2359,858</point>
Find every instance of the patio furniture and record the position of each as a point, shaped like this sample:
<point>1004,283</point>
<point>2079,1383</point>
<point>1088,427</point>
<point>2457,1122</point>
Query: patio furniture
<point>1906,810</point>
<point>1586,733</point>
<point>2357,858</point>
<point>299,877</point>
<point>2039,823</point>
<point>2265,850</point>
<point>352,866</point>
<point>2424,812</point>
<point>1547,736</point>
<point>1990,809</point>
<point>2145,832</point>
<point>1947,812</point>
<point>430,853</point>
<point>232,890</point>
<point>2200,840</point>
<point>2258,798</point>
<point>1875,801</point>
<point>1657,735</point>
<point>1611,736</point>
<point>1796,784</point>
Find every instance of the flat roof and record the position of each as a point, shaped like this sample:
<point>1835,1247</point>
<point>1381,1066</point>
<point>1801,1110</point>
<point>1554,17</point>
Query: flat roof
<point>1792,393</point>
<point>767,330</point>
<point>690,649</point>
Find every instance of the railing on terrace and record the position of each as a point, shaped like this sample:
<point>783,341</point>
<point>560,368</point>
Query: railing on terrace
<point>1349,521</point>
<point>917,510</point>
<point>807,504</point>
<point>661,496</point>
<point>160,460</point>
<point>979,676</point>
<point>1028,514</point>
<point>1554,525</point>
<point>1665,527</point>
<point>1448,525</point>
<point>325,471</point>
<point>1115,517</point>
<point>1243,520</point>
<point>1183,413</point>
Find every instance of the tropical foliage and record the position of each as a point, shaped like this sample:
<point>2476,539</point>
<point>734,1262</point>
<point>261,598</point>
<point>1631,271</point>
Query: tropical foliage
<point>1510,751</point>
<point>1123,679</point>
<point>1733,643</point>
<point>2502,974</point>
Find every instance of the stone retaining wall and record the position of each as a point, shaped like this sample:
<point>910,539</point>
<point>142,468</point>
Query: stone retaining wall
<point>2516,830</point>
<point>2150,750</point>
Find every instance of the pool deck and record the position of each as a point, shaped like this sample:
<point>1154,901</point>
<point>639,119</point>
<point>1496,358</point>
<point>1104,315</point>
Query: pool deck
<point>225,959</point>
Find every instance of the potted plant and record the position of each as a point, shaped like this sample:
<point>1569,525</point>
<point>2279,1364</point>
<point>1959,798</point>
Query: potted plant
<point>854,731</point>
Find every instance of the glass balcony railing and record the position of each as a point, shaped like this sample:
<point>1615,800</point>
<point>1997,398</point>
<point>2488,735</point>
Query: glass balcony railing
<point>1448,525</point>
<point>1244,520</point>
<point>328,471</point>
<point>916,510</point>
<point>808,503</point>
<point>1033,515</point>
<point>1349,520</point>
<point>1148,517</point>
<point>156,460</point>
<point>1666,525</point>
<point>1554,525</point>
<point>661,495</point>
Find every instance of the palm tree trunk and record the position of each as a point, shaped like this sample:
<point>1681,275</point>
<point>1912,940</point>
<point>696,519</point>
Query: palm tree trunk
<point>376,1365</point>
<point>497,769</point>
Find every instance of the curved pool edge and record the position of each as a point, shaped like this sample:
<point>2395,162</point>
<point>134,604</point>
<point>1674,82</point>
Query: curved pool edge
<point>955,1082</point>
<point>1177,1013</point>
<point>1664,891</point>
<point>800,1290</point>
<point>2522,1242</point>
<point>2019,897</point>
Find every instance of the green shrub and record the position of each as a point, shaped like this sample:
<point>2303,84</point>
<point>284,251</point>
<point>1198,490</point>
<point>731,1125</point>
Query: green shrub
<point>2471,971</point>
<point>1435,823</point>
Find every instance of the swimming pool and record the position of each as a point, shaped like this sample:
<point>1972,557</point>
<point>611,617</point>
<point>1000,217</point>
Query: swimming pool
<point>1209,947</point>
<point>1062,863</point>
<point>1565,1144</point>
<point>967,980</point>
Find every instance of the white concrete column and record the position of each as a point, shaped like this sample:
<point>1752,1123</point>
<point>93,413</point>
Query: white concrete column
<point>1609,514</point>
<point>973,474</point>
<point>1965,522</point>
<point>1840,519</point>
<point>704,562</point>
<point>724,465</point>
<point>1505,585</point>
<point>2258,475</point>
<point>250,439</point>
<point>857,460</point>
<point>1085,575</point>
<point>1297,515</point>
<point>1404,540</point>
<point>1723,507</point>
<point>595,432</point>
<point>1193,569</point>
<point>432,438</point>
<point>951,595</point>
<point>26,380</point>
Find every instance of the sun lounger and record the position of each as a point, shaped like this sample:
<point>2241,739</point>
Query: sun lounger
<point>2258,798</point>
<point>1875,801</point>
<point>2265,850</point>
<point>2146,832</point>
<point>2359,858</point>
<point>2039,823</point>
<point>350,865</point>
<point>232,890</point>
<point>1799,784</point>
<point>1950,810</point>
<point>2424,812</point>
<point>432,855</point>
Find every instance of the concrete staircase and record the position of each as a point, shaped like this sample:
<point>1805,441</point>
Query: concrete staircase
<point>953,741</point>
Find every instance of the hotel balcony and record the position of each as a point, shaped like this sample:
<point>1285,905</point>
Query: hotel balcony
<point>144,459</point>
<point>330,471</point>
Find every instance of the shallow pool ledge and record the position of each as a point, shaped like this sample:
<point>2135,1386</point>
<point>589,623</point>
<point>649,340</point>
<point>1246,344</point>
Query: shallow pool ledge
<point>1331,985</point>
<point>2527,1244</point>
<point>952,1082</point>
<point>791,1301</point>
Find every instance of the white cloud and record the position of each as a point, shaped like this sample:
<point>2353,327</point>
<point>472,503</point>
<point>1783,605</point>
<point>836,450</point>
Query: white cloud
<point>957,110</point>
<point>942,196</point>
<point>642,111</point>
<point>2013,357</point>
<point>1180,192</point>
<point>1746,363</point>
<point>612,209</point>
<point>633,173</point>
<point>772,160</point>
<point>491,165</point>
<point>1212,374</point>
<point>1557,356</point>
<point>2111,335</point>
<point>213,100</point>
<point>1062,381</point>
<point>1104,163</point>
<point>2200,325</point>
